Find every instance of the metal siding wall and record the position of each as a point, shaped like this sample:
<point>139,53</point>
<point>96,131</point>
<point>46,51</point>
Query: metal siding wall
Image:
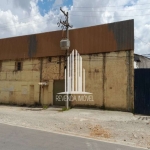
<point>89,40</point>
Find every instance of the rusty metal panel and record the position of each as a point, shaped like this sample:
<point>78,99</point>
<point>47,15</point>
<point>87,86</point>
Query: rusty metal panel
<point>111,37</point>
<point>32,46</point>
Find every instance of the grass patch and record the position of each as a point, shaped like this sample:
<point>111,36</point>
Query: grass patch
<point>45,106</point>
<point>65,109</point>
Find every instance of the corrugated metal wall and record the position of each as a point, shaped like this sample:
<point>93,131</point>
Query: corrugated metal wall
<point>96,39</point>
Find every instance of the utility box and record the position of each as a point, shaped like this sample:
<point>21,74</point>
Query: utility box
<point>65,44</point>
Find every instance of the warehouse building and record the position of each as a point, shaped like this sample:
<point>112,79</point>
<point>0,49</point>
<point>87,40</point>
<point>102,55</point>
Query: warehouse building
<point>141,61</point>
<point>32,67</point>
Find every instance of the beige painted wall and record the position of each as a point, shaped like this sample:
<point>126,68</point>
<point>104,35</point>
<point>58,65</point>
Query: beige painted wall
<point>109,76</point>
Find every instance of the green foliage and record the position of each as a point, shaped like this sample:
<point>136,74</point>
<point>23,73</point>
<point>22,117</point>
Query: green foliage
<point>45,106</point>
<point>65,109</point>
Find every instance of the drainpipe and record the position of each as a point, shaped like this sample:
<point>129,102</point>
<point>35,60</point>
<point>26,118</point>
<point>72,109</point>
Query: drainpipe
<point>40,90</point>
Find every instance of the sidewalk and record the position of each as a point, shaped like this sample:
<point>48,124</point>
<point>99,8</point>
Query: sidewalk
<point>112,126</point>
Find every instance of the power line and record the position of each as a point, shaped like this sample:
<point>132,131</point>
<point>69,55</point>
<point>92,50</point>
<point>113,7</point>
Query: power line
<point>19,20</point>
<point>23,23</point>
<point>92,11</point>
<point>106,10</point>
<point>109,6</point>
<point>27,23</point>
<point>141,40</point>
<point>117,16</point>
<point>81,15</point>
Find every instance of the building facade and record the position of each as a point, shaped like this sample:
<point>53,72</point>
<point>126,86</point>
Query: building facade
<point>141,61</point>
<point>107,56</point>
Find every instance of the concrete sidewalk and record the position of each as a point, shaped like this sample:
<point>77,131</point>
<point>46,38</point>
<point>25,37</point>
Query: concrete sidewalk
<point>114,126</point>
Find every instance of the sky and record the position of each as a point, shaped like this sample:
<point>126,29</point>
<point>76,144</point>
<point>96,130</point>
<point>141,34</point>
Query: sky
<point>23,17</point>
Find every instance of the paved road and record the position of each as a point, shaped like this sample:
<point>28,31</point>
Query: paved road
<point>17,138</point>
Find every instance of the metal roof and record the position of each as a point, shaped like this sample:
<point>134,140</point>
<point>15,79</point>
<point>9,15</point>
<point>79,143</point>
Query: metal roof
<point>110,37</point>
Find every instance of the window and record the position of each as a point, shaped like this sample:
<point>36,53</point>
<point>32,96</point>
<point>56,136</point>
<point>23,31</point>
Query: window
<point>18,66</point>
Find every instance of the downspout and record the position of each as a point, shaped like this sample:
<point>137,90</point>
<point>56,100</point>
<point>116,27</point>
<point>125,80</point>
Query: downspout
<point>40,88</point>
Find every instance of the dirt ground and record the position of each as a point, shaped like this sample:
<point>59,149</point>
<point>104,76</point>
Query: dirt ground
<point>114,126</point>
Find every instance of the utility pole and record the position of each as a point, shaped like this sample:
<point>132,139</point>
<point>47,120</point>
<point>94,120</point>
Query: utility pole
<point>65,25</point>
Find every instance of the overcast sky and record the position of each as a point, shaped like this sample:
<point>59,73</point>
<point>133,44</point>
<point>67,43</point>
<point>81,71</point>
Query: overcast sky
<point>22,17</point>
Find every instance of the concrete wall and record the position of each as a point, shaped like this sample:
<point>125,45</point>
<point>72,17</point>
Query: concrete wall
<point>109,76</point>
<point>20,87</point>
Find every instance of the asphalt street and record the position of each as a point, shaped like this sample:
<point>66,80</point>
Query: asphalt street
<point>17,138</point>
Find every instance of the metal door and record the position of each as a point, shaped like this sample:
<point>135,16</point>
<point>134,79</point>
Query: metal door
<point>59,86</point>
<point>142,91</point>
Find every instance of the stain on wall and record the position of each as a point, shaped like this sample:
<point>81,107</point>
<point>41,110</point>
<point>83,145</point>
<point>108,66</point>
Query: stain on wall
<point>32,45</point>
